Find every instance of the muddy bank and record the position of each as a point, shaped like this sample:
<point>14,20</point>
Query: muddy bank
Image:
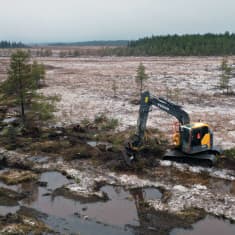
<point>201,194</point>
<point>74,183</point>
<point>20,224</point>
<point>139,201</point>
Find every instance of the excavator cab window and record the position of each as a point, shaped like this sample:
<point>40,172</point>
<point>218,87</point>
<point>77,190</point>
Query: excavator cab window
<point>198,134</point>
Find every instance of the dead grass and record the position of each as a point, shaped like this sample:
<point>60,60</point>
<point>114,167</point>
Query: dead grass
<point>17,176</point>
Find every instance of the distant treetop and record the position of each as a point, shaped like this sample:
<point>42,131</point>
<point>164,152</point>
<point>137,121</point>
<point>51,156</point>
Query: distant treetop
<point>8,44</point>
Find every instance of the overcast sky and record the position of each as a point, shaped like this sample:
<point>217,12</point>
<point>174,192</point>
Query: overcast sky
<point>83,20</point>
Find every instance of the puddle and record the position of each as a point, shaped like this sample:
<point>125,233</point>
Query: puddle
<point>68,215</point>
<point>41,199</point>
<point>4,210</point>
<point>151,194</point>
<point>209,226</point>
<point>34,192</point>
<point>54,179</point>
<point>75,225</point>
<point>119,210</point>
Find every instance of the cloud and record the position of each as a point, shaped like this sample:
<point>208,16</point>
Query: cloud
<point>79,20</point>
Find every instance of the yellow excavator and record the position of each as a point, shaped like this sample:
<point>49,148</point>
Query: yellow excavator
<point>190,140</point>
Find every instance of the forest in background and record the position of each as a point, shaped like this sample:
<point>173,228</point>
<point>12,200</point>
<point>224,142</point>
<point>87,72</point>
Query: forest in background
<point>169,45</point>
<point>184,45</point>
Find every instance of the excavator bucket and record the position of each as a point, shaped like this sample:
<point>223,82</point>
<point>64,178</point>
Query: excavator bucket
<point>128,159</point>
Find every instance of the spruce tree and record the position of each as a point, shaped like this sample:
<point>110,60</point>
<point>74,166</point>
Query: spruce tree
<point>141,76</point>
<point>225,76</point>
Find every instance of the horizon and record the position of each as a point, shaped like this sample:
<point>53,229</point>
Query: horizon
<point>114,40</point>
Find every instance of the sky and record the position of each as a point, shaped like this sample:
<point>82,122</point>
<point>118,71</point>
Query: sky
<point>86,20</point>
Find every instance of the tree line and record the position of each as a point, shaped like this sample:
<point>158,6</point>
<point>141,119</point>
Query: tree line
<point>178,45</point>
<point>8,44</point>
<point>170,45</point>
<point>184,45</point>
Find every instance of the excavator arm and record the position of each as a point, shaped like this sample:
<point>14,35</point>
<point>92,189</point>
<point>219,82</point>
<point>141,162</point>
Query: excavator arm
<point>146,102</point>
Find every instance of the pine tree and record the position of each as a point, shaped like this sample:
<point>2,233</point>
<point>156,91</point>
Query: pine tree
<point>141,76</point>
<point>225,76</point>
<point>37,73</point>
<point>20,88</point>
<point>19,83</point>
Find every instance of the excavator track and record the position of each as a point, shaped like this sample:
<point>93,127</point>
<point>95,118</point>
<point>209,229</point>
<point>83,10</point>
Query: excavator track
<point>207,159</point>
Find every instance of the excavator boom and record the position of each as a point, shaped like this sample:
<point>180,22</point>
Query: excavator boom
<point>146,102</point>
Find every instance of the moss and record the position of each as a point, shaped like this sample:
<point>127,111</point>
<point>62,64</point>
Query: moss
<point>17,176</point>
<point>110,124</point>
<point>104,123</point>
<point>162,222</point>
<point>14,224</point>
<point>9,197</point>
<point>192,215</point>
<point>77,180</point>
<point>50,146</point>
<point>82,151</point>
<point>230,153</point>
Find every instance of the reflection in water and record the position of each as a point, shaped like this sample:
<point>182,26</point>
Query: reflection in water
<point>31,189</point>
<point>122,208</point>
<point>209,226</point>
<point>40,197</point>
<point>119,210</point>
<point>110,217</point>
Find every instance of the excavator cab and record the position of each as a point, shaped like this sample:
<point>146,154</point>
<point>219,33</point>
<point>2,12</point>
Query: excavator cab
<point>195,138</point>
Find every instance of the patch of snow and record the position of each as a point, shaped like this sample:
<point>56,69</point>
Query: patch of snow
<point>180,188</point>
<point>213,172</point>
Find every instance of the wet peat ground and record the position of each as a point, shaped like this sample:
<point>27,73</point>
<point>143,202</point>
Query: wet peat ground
<point>123,210</point>
<point>117,215</point>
